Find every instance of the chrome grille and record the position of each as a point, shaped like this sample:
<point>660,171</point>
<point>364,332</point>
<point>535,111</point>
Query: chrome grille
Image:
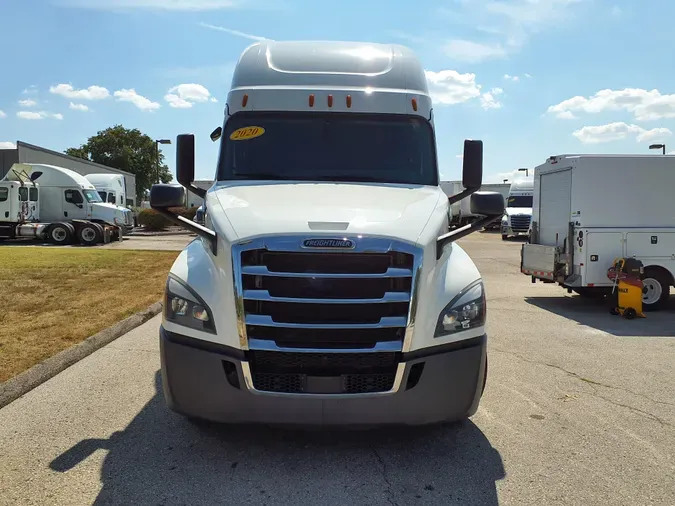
<point>300,301</point>
<point>520,222</point>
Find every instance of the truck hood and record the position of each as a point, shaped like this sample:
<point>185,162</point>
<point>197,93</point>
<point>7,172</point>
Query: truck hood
<point>287,208</point>
<point>510,211</point>
<point>112,214</point>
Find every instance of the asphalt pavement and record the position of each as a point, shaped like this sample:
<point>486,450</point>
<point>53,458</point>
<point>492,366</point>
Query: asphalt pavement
<point>579,410</point>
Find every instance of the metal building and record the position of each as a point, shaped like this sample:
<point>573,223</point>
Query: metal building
<point>29,153</point>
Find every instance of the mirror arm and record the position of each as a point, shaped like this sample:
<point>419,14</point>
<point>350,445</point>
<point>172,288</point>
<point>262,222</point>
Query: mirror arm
<point>200,192</point>
<point>461,195</point>
<point>193,227</point>
<point>457,234</point>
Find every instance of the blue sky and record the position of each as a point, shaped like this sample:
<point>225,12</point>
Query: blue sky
<point>531,78</point>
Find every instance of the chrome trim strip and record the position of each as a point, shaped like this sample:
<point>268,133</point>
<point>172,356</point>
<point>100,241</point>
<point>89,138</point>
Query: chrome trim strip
<point>266,345</point>
<point>264,295</point>
<point>263,320</point>
<point>261,270</point>
<point>248,379</point>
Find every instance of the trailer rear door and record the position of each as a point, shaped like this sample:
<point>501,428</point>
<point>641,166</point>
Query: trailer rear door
<point>555,207</point>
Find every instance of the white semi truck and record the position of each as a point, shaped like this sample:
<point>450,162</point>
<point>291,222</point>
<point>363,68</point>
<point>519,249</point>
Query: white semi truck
<point>111,188</point>
<point>589,210</point>
<point>59,205</point>
<point>518,213</point>
<point>324,287</point>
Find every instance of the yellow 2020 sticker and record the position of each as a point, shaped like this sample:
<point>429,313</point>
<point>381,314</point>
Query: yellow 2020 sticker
<point>246,133</point>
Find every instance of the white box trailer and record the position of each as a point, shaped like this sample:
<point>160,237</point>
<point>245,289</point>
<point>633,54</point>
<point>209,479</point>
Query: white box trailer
<point>589,210</point>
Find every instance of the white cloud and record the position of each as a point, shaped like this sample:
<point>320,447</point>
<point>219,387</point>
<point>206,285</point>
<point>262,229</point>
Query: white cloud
<point>473,52</point>
<point>184,96</point>
<point>644,105</point>
<point>91,93</point>
<point>459,156</point>
<point>27,103</point>
<point>139,101</point>
<point>169,5</point>
<point>618,131</point>
<point>565,115</point>
<point>3,114</point>
<point>449,87</point>
<point>508,23</point>
<point>35,115</point>
<point>78,107</point>
<point>527,75</point>
<point>488,100</point>
<point>7,145</point>
<point>508,77</point>
<point>30,90</point>
<point>232,32</point>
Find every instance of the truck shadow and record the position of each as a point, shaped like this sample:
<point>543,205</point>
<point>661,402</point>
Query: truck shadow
<point>160,458</point>
<point>595,313</point>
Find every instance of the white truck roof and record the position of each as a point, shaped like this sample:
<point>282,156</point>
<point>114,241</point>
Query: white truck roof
<point>522,184</point>
<point>51,175</point>
<point>106,179</point>
<point>378,78</point>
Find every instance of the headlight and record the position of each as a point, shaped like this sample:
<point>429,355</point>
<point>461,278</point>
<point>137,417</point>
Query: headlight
<point>505,220</point>
<point>466,311</point>
<point>184,307</point>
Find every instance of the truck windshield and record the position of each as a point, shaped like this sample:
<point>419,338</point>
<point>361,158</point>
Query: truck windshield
<point>92,196</point>
<point>519,201</point>
<point>328,147</point>
<point>102,195</point>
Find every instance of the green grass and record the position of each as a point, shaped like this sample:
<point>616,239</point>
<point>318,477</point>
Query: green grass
<point>53,298</point>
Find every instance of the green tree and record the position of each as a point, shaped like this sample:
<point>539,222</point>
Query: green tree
<point>128,150</point>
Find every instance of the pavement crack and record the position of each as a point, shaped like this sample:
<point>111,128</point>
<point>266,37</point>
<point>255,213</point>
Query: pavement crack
<point>593,384</point>
<point>385,477</point>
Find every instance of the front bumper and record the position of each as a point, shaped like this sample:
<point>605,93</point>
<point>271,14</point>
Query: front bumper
<point>208,381</point>
<point>506,230</point>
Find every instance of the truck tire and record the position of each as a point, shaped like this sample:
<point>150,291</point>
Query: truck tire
<point>59,234</point>
<point>101,231</point>
<point>504,237</point>
<point>88,234</point>
<point>656,290</point>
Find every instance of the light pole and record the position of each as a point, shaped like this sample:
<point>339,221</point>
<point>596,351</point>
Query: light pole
<point>506,180</point>
<point>658,146</point>
<point>526,171</point>
<point>157,143</point>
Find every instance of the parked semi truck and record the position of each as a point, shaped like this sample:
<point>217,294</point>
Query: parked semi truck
<point>589,210</point>
<point>325,287</point>
<point>59,205</point>
<point>518,212</point>
<point>111,188</point>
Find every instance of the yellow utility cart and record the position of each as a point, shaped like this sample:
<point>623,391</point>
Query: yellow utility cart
<point>627,276</point>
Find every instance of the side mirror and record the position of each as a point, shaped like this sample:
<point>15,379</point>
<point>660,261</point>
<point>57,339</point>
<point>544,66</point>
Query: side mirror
<point>487,204</point>
<point>163,196</point>
<point>185,159</point>
<point>472,170</point>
